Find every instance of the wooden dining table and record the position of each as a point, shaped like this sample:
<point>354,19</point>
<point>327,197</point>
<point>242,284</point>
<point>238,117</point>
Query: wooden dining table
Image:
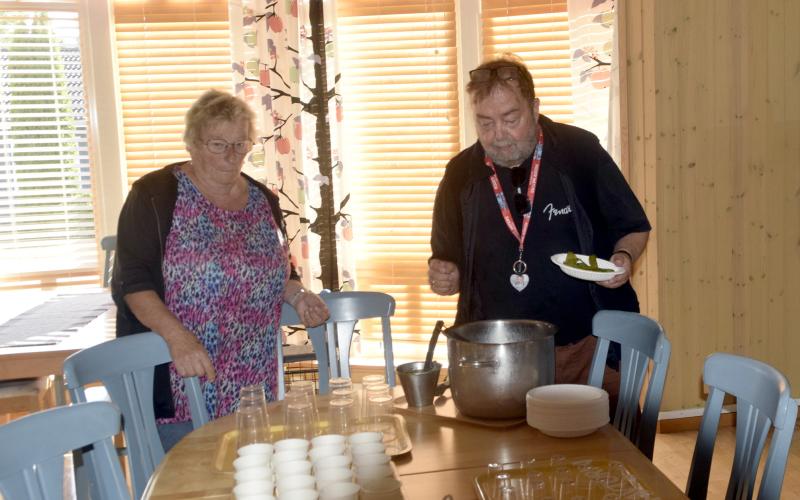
<point>35,361</point>
<point>445,456</point>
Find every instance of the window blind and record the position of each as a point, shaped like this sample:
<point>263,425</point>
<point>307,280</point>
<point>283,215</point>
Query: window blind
<point>538,32</point>
<point>46,210</point>
<point>399,85</point>
<point>169,52</point>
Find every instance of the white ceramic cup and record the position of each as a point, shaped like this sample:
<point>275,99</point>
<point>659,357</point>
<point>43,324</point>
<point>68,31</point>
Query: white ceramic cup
<point>333,475</point>
<point>371,459</point>
<point>296,482</point>
<point>288,456</point>
<point>340,491</point>
<point>367,472</point>
<point>292,444</point>
<point>253,474</point>
<point>305,494</point>
<point>335,461</point>
<point>257,496</point>
<point>253,488</point>
<point>255,449</point>
<point>365,437</point>
<point>249,461</point>
<point>328,439</point>
<point>326,451</point>
<point>292,468</point>
<point>367,448</point>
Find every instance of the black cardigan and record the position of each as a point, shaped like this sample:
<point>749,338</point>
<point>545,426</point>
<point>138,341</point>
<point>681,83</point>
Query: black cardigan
<point>144,223</point>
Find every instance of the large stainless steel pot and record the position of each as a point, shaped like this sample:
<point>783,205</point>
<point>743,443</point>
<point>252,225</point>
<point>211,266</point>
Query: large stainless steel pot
<point>493,364</point>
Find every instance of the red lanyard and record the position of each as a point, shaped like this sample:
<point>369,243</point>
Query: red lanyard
<point>536,162</point>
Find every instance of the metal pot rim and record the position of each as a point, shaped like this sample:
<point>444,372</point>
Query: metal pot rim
<point>549,331</point>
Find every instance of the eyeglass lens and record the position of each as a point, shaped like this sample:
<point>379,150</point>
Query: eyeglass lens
<point>502,73</point>
<point>218,146</point>
<point>518,177</point>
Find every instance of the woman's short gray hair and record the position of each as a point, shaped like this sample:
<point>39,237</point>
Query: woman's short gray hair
<point>212,106</point>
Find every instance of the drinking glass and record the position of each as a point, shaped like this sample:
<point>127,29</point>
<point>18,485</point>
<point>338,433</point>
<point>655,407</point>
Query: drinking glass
<point>300,421</point>
<point>340,383</point>
<point>253,395</point>
<point>251,422</point>
<point>309,388</point>
<point>367,381</point>
<point>380,406</point>
<point>294,402</point>
<point>342,412</point>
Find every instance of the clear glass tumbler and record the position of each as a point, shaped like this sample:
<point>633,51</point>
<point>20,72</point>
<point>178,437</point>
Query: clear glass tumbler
<point>342,412</point>
<point>299,420</point>
<point>380,407</point>
<point>251,423</point>
<point>340,383</point>
<point>294,400</point>
<point>254,394</point>
<point>367,381</point>
<point>309,387</point>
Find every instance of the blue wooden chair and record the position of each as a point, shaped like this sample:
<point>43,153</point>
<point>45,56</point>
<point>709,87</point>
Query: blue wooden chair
<point>346,309</point>
<point>32,453</point>
<point>125,366</point>
<point>643,341</point>
<point>317,337</point>
<point>763,403</point>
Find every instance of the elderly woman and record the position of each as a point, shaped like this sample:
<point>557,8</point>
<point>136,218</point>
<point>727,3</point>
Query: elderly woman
<point>202,260</point>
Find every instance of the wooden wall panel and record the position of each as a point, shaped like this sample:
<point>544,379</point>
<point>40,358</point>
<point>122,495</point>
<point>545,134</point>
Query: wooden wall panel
<point>725,114</point>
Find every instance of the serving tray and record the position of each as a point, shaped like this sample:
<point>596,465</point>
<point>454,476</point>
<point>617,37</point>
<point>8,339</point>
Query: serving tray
<point>618,479</point>
<point>397,443</point>
<point>444,407</point>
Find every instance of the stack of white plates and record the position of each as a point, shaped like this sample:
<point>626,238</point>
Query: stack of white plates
<point>567,410</point>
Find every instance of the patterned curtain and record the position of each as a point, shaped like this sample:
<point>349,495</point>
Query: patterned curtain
<point>592,38</point>
<point>284,66</point>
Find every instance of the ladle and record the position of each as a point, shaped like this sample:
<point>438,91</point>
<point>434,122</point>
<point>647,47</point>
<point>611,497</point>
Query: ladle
<point>434,337</point>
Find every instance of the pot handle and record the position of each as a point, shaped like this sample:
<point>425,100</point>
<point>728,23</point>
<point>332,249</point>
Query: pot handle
<point>473,363</point>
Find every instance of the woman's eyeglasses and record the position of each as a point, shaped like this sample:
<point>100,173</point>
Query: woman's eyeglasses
<point>518,177</point>
<point>504,73</point>
<point>218,146</point>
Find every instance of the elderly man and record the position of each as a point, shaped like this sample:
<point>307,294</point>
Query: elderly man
<point>528,189</point>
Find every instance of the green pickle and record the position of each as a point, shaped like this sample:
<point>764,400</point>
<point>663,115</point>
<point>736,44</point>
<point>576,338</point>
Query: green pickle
<point>572,260</point>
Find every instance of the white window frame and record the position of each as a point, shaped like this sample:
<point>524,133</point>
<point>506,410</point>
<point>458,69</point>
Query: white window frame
<point>102,102</point>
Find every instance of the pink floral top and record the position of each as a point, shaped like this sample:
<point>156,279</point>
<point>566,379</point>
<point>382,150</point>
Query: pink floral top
<point>224,276</point>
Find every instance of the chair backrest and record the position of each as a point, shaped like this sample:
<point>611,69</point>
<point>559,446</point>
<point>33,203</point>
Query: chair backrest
<point>763,401</point>
<point>642,340</point>
<point>346,309</point>
<point>109,246</point>
<point>317,337</point>
<point>32,453</point>
<point>125,366</point>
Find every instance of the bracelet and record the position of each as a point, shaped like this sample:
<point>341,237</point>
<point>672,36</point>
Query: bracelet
<point>292,301</point>
<point>622,250</point>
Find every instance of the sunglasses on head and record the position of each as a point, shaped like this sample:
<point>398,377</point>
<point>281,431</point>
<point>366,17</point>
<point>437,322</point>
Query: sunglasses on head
<point>504,73</point>
<point>518,178</point>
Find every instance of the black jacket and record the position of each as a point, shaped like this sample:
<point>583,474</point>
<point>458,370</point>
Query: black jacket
<point>144,224</point>
<point>605,208</point>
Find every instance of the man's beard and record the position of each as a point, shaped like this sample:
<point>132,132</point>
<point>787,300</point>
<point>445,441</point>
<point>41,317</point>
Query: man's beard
<point>515,155</point>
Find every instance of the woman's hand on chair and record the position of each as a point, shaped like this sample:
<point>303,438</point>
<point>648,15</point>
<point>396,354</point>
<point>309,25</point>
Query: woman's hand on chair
<point>311,309</point>
<point>189,356</point>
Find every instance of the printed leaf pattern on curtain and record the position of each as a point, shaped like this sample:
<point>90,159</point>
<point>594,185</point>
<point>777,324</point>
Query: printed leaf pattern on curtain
<point>284,67</point>
<point>591,26</point>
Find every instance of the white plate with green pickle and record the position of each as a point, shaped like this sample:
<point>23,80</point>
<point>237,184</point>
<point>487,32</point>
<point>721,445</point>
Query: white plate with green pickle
<point>586,267</point>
